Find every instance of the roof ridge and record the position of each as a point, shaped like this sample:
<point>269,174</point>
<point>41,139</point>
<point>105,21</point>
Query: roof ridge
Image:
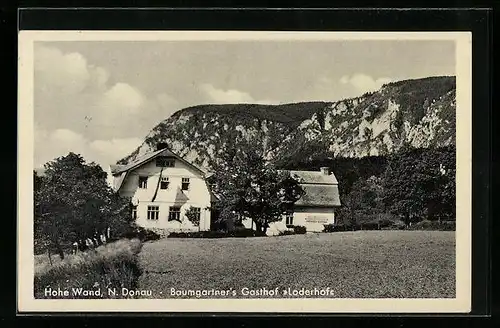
<point>149,156</point>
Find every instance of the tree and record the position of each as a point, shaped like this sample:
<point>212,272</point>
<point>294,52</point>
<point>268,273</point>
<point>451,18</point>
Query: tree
<point>363,202</point>
<point>440,183</point>
<point>73,202</point>
<point>249,186</point>
<point>193,216</point>
<point>420,183</point>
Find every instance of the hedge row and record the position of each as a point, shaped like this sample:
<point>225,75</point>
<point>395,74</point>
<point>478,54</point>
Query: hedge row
<point>217,234</point>
<point>434,225</point>
<point>297,230</point>
<point>423,225</point>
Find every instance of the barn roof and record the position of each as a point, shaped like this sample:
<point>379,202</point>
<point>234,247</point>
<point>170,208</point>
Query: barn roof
<point>317,195</point>
<point>321,190</point>
<point>316,177</point>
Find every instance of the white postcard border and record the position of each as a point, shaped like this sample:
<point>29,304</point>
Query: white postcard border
<point>25,263</point>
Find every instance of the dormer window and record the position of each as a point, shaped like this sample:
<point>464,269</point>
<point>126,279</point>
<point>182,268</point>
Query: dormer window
<point>164,183</point>
<point>185,183</point>
<point>143,182</point>
<point>164,161</point>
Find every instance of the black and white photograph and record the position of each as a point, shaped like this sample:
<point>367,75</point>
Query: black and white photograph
<point>245,171</point>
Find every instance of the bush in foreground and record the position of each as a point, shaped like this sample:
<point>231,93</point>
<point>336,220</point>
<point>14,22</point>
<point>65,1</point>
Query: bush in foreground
<point>114,265</point>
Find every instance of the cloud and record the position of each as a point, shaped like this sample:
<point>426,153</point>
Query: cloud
<point>78,108</point>
<point>116,148</point>
<point>122,95</point>
<point>230,96</point>
<point>323,88</point>
<point>64,73</point>
<point>71,93</point>
<point>364,83</point>
<point>57,143</point>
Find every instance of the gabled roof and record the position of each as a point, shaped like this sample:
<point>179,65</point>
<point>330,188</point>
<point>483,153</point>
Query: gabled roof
<point>119,180</point>
<point>321,190</point>
<point>117,169</point>
<point>40,171</point>
<point>314,177</point>
<point>319,196</point>
<point>120,171</point>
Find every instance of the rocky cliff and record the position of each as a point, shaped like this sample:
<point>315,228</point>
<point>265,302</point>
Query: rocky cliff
<point>418,113</point>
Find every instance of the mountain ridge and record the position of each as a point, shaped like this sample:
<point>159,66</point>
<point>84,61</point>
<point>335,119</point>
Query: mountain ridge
<point>416,112</point>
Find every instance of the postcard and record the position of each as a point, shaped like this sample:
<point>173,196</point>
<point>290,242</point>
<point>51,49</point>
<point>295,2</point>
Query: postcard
<point>238,171</point>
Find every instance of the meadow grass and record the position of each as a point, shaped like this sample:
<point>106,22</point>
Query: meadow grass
<point>114,265</point>
<point>360,264</point>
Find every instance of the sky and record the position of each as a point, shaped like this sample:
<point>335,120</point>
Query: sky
<point>101,98</point>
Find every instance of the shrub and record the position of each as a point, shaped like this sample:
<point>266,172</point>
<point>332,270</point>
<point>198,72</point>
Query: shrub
<point>286,233</point>
<point>385,223</point>
<point>397,225</point>
<point>433,225</point>
<point>193,216</point>
<point>137,232</point>
<point>339,227</point>
<point>299,229</point>
<point>217,234</point>
<point>371,225</point>
<point>448,226</point>
<point>114,265</point>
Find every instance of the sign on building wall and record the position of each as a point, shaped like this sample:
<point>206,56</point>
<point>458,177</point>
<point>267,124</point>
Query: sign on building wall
<point>316,219</point>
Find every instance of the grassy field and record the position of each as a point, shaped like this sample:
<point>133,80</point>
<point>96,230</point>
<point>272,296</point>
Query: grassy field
<point>361,264</point>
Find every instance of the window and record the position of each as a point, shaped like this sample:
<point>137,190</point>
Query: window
<point>289,219</point>
<point>164,161</point>
<point>164,183</point>
<point>143,182</point>
<point>134,212</point>
<point>174,213</point>
<point>185,183</point>
<point>153,213</point>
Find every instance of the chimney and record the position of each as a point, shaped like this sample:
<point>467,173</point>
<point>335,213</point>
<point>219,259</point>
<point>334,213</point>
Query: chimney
<point>325,170</point>
<point>161,145</point>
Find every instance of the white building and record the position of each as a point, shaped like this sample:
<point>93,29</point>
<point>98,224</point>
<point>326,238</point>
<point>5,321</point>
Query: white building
<point>315,208</point>
<point>162,187</point>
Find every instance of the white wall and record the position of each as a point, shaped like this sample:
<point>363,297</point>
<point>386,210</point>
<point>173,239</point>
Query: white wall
<point>163,223</point>
<point>313,218</point>
<point>198,195</point>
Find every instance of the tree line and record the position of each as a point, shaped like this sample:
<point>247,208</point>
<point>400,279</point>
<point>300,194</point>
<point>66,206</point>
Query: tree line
<point>411,185</point>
